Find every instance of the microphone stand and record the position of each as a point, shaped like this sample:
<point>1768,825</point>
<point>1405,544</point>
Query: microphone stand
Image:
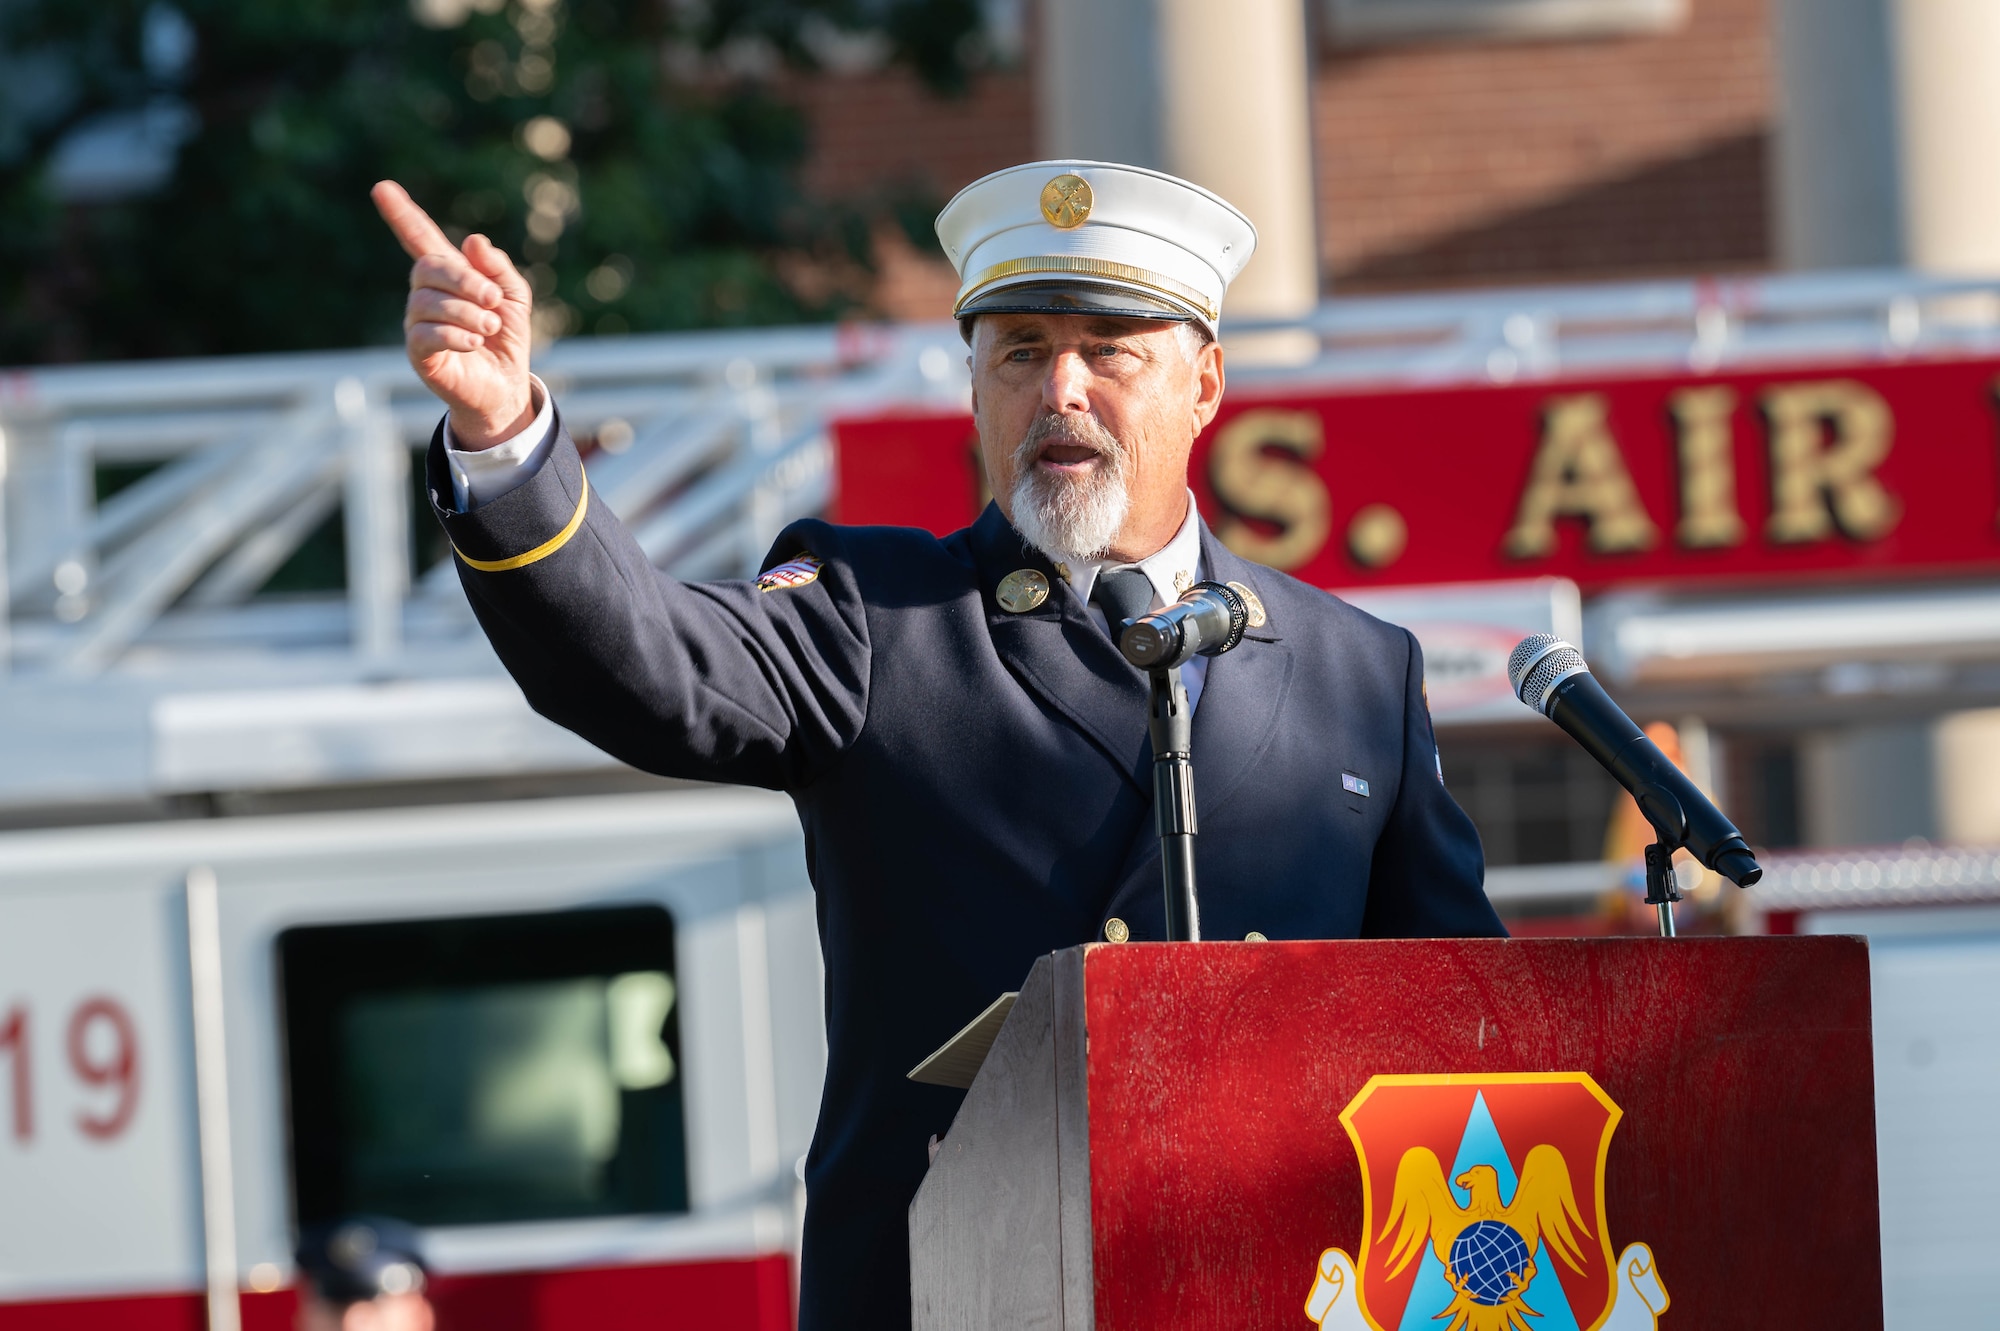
<point>1172,731</point>
<point>1661,890</point>
<point>1663,810</point>
<point>1209,620</point>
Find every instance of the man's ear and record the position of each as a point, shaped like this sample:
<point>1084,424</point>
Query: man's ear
<point>1209,381</point>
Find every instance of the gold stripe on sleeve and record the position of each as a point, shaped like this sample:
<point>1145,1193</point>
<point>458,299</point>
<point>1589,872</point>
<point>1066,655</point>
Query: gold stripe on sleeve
<point>540,552</point>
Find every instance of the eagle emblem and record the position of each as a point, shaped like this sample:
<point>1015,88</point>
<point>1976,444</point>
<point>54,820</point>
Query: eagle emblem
<point>1512,1237</point>
<point>1488,1249</point>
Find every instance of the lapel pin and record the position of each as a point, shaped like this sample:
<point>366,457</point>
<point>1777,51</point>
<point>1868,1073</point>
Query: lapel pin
<point>1022,590</point>
<point>1353,784</point>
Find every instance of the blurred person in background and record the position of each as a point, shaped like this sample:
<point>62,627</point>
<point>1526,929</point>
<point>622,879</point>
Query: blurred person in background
<point>364,1273</point>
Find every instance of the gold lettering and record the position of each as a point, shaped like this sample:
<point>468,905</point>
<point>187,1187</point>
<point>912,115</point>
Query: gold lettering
<point>1578,472</point>
<point>1826,440</point>
<point>1708,467</point>
<point>1256,484</point>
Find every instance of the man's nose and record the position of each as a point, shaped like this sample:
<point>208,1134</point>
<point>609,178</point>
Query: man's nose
<point>1067,387</point>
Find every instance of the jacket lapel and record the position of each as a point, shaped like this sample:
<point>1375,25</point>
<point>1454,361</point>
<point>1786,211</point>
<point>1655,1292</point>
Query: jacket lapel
<point>1060,654</point>
<point>1244,695</point>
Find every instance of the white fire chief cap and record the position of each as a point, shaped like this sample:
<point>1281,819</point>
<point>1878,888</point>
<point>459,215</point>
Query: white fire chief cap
<point>1074,237</point>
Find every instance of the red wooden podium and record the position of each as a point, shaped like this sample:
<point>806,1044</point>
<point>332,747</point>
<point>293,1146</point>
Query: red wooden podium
<point>1479,1135</point>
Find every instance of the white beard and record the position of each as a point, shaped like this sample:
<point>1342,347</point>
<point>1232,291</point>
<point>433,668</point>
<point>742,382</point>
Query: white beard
<point>1071,519</point>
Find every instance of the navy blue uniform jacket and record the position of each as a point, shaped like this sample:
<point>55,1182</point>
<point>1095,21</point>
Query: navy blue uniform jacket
<point>975,786</point>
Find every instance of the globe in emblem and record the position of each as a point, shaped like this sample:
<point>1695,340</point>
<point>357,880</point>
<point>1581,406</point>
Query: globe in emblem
<point>1490,1261</point>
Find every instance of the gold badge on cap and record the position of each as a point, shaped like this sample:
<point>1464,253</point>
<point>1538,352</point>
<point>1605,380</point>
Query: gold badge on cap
<point>1250,603</point>
<point>1022,590</point>
<point>1066,201</point>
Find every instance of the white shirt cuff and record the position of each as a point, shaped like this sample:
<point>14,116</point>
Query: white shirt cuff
<point>479,476</point>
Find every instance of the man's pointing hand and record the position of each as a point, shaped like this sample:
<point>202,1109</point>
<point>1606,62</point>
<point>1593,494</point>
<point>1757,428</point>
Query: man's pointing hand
<point>466,326</point>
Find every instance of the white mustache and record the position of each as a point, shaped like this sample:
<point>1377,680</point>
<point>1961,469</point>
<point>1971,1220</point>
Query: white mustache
<point>1067,428</point>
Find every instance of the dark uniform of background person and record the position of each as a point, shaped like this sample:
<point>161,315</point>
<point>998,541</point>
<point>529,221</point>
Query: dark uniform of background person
<point>970,763</point>
<point>362,1274</point>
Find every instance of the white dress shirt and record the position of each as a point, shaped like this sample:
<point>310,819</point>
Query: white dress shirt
<point>480,476</point>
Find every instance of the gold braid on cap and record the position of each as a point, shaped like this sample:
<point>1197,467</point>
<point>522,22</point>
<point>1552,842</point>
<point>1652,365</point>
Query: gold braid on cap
<point>1080,267</point>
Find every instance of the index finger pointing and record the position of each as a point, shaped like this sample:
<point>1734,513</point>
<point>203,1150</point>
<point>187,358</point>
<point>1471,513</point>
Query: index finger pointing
<point>414,229</point>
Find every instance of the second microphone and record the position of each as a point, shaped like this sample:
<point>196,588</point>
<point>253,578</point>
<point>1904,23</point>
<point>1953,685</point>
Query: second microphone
<point>1208,620</point>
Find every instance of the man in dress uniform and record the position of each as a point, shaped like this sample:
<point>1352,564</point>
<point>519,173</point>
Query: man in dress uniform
<point>966,747</point>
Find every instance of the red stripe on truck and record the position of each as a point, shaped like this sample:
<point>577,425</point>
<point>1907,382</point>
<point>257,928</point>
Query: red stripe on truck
<point>754,1294</point>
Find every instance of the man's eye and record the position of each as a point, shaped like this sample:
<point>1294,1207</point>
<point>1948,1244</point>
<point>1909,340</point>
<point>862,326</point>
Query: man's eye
<point>1021,354</point>
<point>1109,349</point>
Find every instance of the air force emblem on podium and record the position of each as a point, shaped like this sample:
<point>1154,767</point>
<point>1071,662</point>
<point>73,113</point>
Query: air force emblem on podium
<point>1483,1210</point>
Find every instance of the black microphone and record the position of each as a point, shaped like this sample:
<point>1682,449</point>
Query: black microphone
<point>1550,676</point>
<point>1208,620</point>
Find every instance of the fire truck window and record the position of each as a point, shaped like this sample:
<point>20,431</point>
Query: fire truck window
<point>1534,802</point>
<point>479,1071</point>
<point>1764,788</point>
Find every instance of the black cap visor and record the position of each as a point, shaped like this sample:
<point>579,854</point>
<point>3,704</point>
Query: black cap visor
<point>1070,297</point>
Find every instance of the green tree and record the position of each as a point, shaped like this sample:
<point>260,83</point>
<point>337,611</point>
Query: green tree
<point>601,141</point>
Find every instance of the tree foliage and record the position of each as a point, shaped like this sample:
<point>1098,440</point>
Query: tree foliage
<point>606,142</point>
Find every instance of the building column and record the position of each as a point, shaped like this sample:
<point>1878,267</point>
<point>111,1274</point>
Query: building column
<point>1211,92</point>
<point>1887,128</point>
<point>1947,56</point>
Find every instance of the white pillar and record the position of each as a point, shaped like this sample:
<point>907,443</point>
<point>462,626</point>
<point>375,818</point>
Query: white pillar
<point>1887,134</point>
<point>1216,93</point>
<point>1948,80</point>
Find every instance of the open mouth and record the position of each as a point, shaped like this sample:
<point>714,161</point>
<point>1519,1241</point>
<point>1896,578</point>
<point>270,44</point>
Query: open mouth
<point>1065,458</point>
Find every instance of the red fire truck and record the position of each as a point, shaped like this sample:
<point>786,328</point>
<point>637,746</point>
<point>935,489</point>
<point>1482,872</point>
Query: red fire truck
<point>578,1041</point>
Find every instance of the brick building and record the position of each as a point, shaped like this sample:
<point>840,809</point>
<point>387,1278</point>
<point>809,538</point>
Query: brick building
<point>1438,162</point>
